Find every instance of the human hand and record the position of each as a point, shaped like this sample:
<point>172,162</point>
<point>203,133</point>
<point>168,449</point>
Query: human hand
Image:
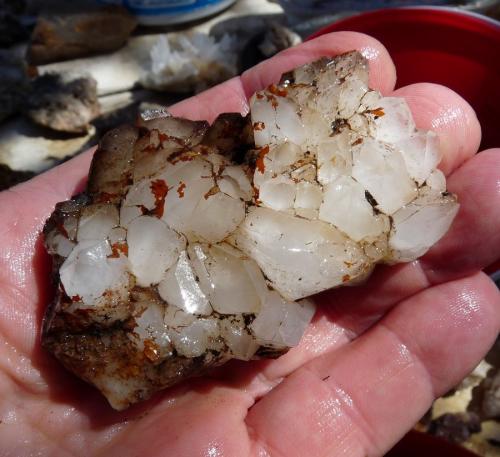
<point>366,370</point>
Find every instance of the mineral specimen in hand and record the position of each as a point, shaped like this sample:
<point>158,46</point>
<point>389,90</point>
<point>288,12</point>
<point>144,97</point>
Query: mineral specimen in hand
<point>194,244</point>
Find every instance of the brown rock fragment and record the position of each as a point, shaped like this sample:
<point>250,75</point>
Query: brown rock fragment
<point>456,428</point>
<point>62,103</point>
<point>486,396</point>
<point>68,36</point>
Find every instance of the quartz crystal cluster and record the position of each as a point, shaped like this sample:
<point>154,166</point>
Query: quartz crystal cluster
<point>195,243</point>
<point>190,62</point>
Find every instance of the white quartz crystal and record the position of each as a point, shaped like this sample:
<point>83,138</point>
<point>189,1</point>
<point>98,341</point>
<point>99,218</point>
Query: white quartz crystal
<point>151,255</point>
<point>180,287</point>
<point>281,324</point>
<point>96,222</point>
<point>180,62</point>
<point>347,196</point>
<point>300,257</point>
<point>418,225</point>
<point>88,273</point>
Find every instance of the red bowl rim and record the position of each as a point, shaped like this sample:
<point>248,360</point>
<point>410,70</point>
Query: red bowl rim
<point>489,25</point>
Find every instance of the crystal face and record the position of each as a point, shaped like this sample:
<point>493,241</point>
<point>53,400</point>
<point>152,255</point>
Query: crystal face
<point>195,243</point>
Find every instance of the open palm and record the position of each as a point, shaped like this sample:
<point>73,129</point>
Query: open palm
<point>369,366</point>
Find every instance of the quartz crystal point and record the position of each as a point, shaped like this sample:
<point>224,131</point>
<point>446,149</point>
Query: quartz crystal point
<point>194,244</point>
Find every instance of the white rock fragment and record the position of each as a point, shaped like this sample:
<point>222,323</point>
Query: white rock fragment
<point>196,338</point>
<point>194,61</point>
<point>59,244</point>
<point>240,341</point>
<point>141,194</point>
<point>396,122</point>
<point>308,199</point>
<point>276,120</point>
<point>216,216</point>
<point>239,182</point>
<point>421,154</point>
<point>151,331</point>
<point>334,157</point>
<point>224,278</point>
<point>128,214</point>
<point>436,181</point>
<point>117,235</point>
<point>278,193</point>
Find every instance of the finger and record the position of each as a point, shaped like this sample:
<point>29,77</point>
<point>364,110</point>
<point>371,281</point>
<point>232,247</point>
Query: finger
<point>473,241</point>
<point>361,399</point>
<point>442,110</point>
<point>382,70</point>
<point>228,97</point>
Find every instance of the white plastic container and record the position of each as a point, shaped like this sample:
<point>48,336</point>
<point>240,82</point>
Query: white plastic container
<point>165,12</point>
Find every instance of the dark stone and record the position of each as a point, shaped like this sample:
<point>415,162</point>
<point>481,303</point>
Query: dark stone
<point>12,96</point>
<point>265,44</point>
<point>456,428</point>
<point>11,30</point>
<point>73,35</point>
<point>62,104</point>
<point>9,177</point>
<point>14,82</point>
<point>486,396</point>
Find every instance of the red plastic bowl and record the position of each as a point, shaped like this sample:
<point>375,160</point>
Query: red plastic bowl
<point>458,49</point>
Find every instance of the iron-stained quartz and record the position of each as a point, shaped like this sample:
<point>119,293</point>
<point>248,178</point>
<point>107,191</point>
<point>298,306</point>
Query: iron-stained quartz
<point>194,244</point>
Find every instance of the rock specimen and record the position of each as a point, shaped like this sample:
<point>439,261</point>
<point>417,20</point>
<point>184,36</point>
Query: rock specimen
<point>63,102</point>
<point>190,62</point>
<point>194,244</point>
<point>59,37</point>
<point>486,396</point>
